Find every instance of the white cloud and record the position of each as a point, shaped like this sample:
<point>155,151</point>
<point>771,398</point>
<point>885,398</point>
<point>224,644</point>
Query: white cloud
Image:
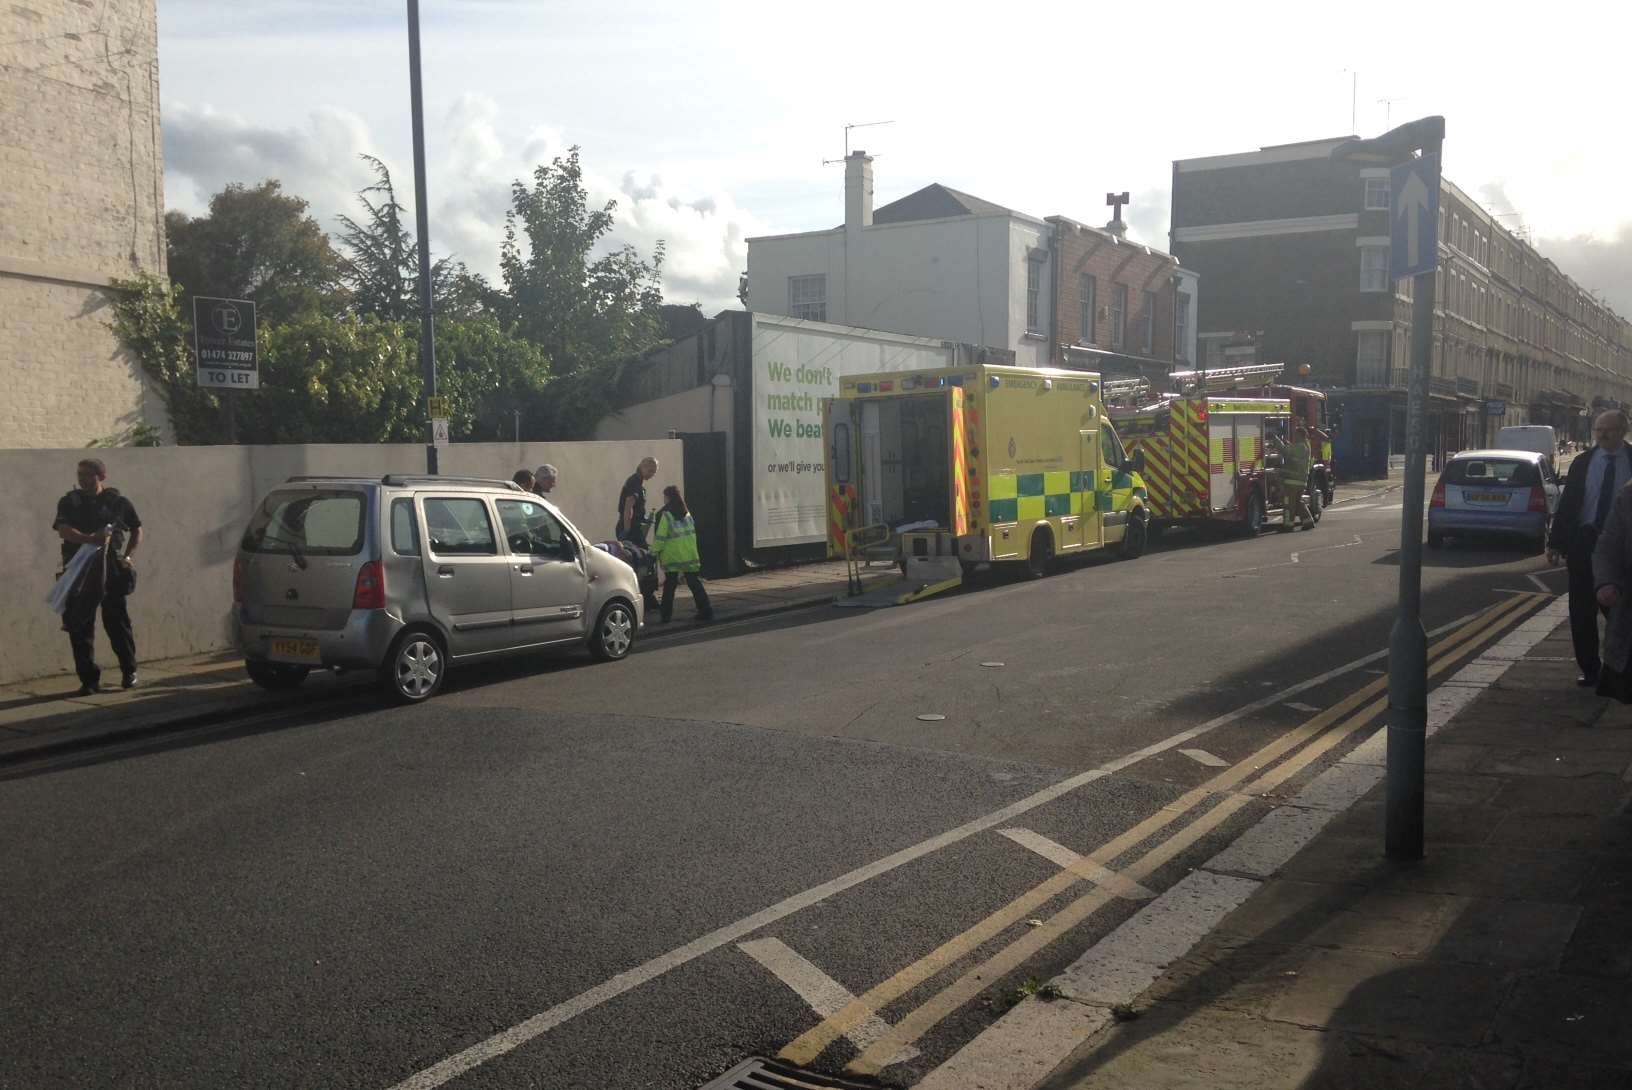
<point>470,182</point>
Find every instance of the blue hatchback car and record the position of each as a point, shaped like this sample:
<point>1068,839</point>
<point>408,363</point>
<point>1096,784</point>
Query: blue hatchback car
<point>1494,493</point>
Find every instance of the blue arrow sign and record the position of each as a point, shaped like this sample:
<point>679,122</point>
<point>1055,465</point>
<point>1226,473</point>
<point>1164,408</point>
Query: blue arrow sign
<point>1414,217</point>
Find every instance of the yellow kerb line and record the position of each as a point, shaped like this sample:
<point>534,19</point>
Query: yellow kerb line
<point>921,1020</point>
<point>805,1048</point>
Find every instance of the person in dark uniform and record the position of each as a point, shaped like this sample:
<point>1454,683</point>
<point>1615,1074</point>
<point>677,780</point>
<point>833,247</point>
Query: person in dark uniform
<point>1590,485</point>
<point>94,514</point>
<point>632,503</point>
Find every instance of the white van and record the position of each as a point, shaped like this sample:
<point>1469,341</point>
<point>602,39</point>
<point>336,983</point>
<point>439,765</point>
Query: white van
<point>1537,437</point>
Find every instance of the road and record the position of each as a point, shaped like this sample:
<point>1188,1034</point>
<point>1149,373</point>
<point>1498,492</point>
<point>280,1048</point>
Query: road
<point>567,875</point>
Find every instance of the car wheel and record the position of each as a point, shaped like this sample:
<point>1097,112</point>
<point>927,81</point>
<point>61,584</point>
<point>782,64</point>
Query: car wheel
<point>414,669</point>
<point>614,632</point>
<point>1315,504</point>
<point>1042,553</point>
<point>276,677</point>
<point>1435,541</point>
<point>1253,521</point>
<point>1137,536</point>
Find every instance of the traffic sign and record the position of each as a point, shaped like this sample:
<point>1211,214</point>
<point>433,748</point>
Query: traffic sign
<point>438,406</point>
<point>224,343</point>
<point>439,431</point>
<point>1413,217</point>
<point>1495,407</point>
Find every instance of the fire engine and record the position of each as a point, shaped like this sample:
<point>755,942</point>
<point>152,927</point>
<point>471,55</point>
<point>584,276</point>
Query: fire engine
<point>1208,458</point>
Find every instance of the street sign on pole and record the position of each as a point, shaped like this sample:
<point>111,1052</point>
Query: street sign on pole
<point>1413,217</point>
<point>439,431</point>
<point>224,343</point>
<point>1495,407</point>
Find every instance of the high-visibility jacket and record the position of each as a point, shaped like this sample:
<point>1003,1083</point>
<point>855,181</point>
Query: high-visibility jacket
<point>1295,459</point>
<point>675,542</point>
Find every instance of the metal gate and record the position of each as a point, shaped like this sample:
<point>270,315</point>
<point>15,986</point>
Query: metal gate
<point>706,482</point>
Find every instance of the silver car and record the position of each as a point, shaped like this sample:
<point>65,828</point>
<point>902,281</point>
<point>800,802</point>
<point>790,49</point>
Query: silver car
<point>408,575</point>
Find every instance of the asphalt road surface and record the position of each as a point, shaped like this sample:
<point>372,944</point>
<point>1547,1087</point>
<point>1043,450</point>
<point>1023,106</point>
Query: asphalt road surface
<point>567,875</point>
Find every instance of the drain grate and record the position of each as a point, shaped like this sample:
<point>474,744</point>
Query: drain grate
<point>757,1074</point>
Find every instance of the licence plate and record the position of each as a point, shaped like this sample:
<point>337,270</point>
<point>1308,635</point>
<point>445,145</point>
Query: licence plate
<point>1486,497</point>
<point>291,650</point>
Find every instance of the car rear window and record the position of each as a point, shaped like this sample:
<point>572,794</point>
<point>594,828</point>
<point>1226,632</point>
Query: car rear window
<point>1495,471</point>
<point>307,522</point>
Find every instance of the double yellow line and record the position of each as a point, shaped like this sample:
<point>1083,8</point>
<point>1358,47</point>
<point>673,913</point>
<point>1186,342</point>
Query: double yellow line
<point>1319,729</point>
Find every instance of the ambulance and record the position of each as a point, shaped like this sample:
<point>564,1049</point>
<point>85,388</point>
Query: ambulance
<point>948,470</point>
<point>1208,454</point>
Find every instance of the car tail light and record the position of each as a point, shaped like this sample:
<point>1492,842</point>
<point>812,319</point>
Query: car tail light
<point>238,580</point>
<point>1438,499</point>
<point>1538,498</point>
<point>370,592</point>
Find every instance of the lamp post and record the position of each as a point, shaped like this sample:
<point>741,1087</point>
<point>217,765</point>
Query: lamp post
<point>1407,641</point>
<point>427,330</point>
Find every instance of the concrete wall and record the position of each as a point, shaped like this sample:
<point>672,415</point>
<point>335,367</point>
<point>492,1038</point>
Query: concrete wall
<point>194,503</point>
<point>82,202</point>
<point>958,279</point>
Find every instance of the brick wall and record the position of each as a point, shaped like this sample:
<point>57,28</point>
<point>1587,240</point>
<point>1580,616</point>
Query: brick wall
<point>1084,251</point>
<point>82,202</point>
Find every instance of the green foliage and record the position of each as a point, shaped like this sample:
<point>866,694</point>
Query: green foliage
<point>579,308</point>
<point>137,435</point>
<point>380,265</point>
<point>256,243</point>
<point>339,380</point>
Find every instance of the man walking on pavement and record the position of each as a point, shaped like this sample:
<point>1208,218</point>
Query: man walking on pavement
<point>1589,490</point>
<point>94,514</point>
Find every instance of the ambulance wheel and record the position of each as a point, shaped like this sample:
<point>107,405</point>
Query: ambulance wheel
<point>1136,537</point>
<point>1253,521</point>
<point>1042,553</point>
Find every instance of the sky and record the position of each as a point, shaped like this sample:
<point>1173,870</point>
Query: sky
<point>708,121</point>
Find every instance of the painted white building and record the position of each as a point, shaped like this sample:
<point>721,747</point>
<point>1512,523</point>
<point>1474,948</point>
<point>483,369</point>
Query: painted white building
<point>936,263</point>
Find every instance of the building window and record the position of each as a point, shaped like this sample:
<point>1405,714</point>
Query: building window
<point>1377,194</point>
<point>1374,268</point>
<point>1181,328</point>
<point>1119,317</point>
<point>1150,322</point>
<point>1034,294</point>
<point>1087,304</point>
<point>1371,358</point>
<point>807,297</point>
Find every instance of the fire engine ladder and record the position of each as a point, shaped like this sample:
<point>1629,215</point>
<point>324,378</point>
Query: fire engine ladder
<point>1128,392</point>
<point>1222,380</point>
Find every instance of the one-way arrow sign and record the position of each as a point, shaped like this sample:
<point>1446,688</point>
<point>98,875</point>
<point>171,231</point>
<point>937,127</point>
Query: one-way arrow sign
<point>1414,217</point>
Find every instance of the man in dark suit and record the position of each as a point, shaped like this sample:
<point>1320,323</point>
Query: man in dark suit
<point>1589,490</point>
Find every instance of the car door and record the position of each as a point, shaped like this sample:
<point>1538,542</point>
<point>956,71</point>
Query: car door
<point>548,587</point>
<point>467,575</point>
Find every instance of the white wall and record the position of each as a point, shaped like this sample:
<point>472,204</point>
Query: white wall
<point>1190,283</point>
<point>194,503</point>
<point>956,279</point>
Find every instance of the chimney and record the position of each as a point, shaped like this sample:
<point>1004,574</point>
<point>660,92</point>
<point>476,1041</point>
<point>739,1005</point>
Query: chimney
<point>1116,226</point>
<point>858,190</point>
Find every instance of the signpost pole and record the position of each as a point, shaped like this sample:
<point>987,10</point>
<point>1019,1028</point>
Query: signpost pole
<point>1408,642</point>
<point>427,333</point>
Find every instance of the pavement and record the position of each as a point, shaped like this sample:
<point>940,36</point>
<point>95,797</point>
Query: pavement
<point>1499,961</point>
<point>43,716</point>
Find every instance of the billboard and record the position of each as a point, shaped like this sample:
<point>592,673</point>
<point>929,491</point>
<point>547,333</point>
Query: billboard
<point>796,365</point>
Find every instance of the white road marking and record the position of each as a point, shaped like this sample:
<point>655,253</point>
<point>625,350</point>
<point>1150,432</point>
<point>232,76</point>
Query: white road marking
<point>1066,859</point>
<point>1537,580</point>
<point>513,1038</point>
<point>1035,1037</point>
<point>1346,508</point>
<point>825,995</point>
<point>1201,756</point>
<point>1302,707</point>
<point>1391,507</point>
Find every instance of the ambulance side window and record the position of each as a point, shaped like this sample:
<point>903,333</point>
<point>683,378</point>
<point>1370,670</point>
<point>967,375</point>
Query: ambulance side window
<point>1110,451</point>
<point>841,453</point>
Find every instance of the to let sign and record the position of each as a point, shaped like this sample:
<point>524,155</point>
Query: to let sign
<point>224,343</point>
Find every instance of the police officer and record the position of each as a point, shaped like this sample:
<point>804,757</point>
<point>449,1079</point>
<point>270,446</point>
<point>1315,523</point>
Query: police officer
<point>632,503</point>
<point>94,514</point>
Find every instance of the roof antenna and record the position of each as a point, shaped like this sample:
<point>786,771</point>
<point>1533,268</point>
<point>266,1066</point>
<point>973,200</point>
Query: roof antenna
<point>847,128</point>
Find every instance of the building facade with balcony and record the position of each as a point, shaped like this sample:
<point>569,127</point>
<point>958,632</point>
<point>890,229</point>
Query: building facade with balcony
<point>1294,249</point>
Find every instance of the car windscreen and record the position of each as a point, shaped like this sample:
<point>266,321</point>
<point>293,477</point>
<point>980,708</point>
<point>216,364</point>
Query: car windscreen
<point>305,522</point>
<point>1492,471</point>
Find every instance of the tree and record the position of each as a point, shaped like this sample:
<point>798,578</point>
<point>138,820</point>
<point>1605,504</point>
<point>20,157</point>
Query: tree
<point>579,308</point>
<point>256,243</point>
<point>380,266</point>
